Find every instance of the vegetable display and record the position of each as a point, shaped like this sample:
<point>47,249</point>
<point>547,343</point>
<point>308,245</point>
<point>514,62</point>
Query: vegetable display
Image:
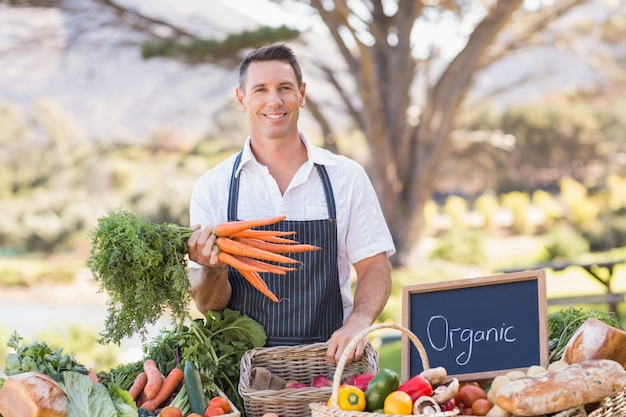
<point>141,266</point>
<point>382,384</point>
<point>214,345</point>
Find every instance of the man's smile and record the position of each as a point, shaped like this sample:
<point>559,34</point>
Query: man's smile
<point>275,116</point>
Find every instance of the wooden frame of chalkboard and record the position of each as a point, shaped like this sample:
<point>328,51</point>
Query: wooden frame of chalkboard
<point>477,328</point>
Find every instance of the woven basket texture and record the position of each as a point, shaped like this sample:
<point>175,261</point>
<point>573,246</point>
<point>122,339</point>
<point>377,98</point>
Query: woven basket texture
<point>294,363</point>
<point>614,406</point>
<point>322,410</point>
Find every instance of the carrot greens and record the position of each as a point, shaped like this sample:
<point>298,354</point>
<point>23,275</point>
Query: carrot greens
<point>141,266</point>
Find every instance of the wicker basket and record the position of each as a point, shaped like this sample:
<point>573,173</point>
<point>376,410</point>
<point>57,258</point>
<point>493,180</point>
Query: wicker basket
<point>300,363</point>
<point>612,406</point>
<point>322,410</point>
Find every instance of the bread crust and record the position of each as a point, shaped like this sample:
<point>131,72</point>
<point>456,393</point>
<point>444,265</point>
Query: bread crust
<point>32,394</point>
<point>595,339</point>
<point>553,391</point>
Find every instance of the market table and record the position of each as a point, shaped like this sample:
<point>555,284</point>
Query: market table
<point>601,271</point>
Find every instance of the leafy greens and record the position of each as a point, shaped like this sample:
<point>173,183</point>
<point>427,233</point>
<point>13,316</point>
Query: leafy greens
<point>38,356</point>
<point>215,345</point>
<point>141,266</point>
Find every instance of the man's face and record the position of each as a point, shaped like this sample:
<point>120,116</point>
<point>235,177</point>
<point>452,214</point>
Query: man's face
<point>272,99</point>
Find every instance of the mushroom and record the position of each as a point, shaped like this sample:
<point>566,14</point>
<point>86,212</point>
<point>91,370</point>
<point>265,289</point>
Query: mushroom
<point>436,376</point>
<point>425,405</point>
<point>446,391</point>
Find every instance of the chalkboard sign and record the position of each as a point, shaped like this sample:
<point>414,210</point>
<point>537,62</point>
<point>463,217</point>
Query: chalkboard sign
<point>477,328</point>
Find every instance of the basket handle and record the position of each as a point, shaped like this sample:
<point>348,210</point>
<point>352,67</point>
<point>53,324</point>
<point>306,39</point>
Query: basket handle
<point>355,340</point>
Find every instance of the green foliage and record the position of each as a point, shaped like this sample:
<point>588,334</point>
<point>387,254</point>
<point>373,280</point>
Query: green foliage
<point>583,209</point>
<point>141,267</point>
<point>564,245</point>
<point>390,356</point>
<point>518,203</point>
<point>548,206</point>
<point>456,208</point>
<point>195,51</point>
<point>214,344</point>
<point>38,356</point>
<point>462,246</point>
<point>487,205</point>
<point>610,233</point>
<point>26,271</point>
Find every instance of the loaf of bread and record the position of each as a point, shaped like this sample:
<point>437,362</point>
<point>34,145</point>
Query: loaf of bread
<point>32,394</point>
<point>595,339</point>
<point>553,391</point>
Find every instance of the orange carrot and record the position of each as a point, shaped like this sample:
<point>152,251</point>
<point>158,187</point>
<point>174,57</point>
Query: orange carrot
<point>274,239</point>
<point>240,263</point>
<point>142,398</point>
<point>271,268</point>
<point>257,282</point>
<point>138,385</point>
<point>237,248</point>
<point>262,234</point>
<point>173,380</point>
<point>230,228</point>
<point>276,247</point>
<point>155,379</point>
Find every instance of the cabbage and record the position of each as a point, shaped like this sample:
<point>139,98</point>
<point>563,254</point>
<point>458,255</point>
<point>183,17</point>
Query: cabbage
<point>124,403</point>
<point>86,398</point>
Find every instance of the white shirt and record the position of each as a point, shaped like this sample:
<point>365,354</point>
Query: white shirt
<point>361,228</point>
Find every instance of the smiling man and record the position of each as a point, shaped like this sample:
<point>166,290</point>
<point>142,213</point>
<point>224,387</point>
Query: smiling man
<point>327,199</point>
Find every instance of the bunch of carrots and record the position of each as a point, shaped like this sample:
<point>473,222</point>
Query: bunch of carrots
<point>151,389</point>
<point>248,250</point>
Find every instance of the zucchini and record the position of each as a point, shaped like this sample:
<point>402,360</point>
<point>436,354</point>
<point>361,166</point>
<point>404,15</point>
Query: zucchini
<point>195,391</point>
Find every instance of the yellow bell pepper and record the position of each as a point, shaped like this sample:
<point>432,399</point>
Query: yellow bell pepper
<point>350,398</point>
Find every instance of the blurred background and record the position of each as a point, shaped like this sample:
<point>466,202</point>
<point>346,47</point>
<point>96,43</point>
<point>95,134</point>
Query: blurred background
<point>493,132</point>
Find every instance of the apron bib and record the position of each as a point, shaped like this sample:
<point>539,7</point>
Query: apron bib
<point>310,307</point>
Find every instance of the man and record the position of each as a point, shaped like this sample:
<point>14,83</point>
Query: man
<point>329,202</point>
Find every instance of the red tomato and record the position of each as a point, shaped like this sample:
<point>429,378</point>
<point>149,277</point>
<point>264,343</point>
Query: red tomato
<point>171,412</point>
<point>481,407</point>
<point>220,402</point>
<point>470,393</point>
<point>213,411</point>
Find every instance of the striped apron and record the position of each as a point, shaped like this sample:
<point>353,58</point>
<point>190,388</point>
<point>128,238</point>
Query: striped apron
<point>310,307</point>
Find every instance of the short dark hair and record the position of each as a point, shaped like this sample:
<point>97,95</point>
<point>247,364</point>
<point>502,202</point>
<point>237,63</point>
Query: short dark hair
<point>278,52</point>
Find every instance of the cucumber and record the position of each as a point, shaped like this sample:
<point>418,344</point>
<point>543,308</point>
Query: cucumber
<point>193,383</point>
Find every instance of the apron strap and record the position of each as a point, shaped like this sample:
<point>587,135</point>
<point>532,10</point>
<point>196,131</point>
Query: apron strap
<point>233,194</point>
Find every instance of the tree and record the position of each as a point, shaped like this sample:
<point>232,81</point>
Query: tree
<point>402,82</point>
<point>387,60</point>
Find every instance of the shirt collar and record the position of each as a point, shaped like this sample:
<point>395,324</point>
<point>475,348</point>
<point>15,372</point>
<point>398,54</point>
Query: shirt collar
<point>315,154</point>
